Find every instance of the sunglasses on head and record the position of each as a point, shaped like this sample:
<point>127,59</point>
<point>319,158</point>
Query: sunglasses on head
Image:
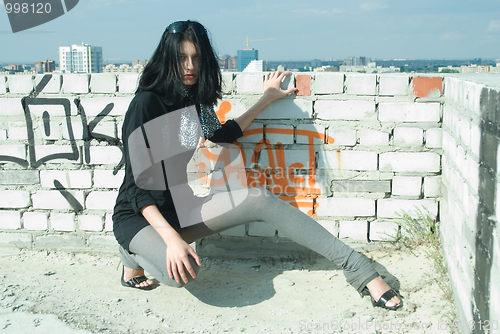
<point>180,26</point>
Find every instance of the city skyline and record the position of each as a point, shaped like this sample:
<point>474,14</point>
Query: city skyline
<point>380,29</point>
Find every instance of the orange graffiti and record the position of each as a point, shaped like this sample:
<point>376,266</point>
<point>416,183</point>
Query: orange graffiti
<point>299,190</point>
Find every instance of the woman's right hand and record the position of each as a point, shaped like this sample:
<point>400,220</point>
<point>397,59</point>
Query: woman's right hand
<point>178,252</point>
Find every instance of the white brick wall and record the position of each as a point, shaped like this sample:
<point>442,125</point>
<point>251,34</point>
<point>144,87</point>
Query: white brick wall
<point>21,84</point>
<point>127,82</point>
<point>249,83</point>
<point>342,136</point>
<point>361,84</point>
<point>101,200</point>
<point>14,199</point>
<point>409,112</point>
<point>349,160</point>
<point>14,151</point>
<point>330,83</point>
<point>72,179</point>
<point>369,137</point>
<point>106,178</point>
<point>90,223</point>
<point>54,200</point>
<point>345,207</point>
<point>279,133</point>
<point>253,138</point>
<point>407,186</point>
<point>390,208</point>
<point>75,83</point>
<point>394,85</point>
<point>105,155</point>
<point>11,107</point>
<point>3,84</point>
<point>35,221</point>
<point>354,229</point>
<point>17,131</point>
<point>54,84</point>
<point>103,83</point>
<point>10,220</point>
<point>64,222</point>
<point>434,138</point>
<point>410,162</point>
<point>307,131</point>
<point>345,110</point>
<point>93,106</point>
<point>383,230</point>
<point>406,136</point>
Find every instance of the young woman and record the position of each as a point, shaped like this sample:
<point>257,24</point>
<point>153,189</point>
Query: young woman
<point>181,80</point>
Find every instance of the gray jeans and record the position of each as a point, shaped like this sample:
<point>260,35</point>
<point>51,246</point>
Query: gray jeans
<point>148,250</point>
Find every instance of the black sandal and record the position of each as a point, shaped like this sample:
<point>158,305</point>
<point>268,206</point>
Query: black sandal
<point>382,301</point>
<point>131,283</point>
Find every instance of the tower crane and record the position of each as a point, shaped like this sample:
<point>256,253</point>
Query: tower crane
<point>256,40</point>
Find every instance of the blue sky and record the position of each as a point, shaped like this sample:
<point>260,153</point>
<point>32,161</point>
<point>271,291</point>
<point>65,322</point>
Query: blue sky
<point>303,30</point>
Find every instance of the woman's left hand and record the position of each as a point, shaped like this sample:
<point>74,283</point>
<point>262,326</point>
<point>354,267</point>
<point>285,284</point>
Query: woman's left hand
<point>272,86</point>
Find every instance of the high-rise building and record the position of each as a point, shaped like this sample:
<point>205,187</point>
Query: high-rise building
<point>245,56</point>
<point>46,66</point>
<point>80,59</point>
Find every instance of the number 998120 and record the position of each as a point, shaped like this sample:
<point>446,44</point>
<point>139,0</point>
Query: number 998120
<point>25,8</point>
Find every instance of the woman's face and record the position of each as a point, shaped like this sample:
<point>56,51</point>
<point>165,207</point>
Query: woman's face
<point>189,63</point>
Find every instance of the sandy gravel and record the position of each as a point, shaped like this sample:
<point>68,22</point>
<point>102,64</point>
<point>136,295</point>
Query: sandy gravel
<point>62,292</point>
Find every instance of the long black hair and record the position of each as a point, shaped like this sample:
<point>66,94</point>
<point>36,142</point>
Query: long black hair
<point>163,73</point>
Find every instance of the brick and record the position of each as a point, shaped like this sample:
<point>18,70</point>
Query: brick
<point>105,155</point>
<point>406,136</point>
<point>354,229</point>
<point>93,106</point>
<point>69,179</point>
<point>76,129</point>
<point>11,107</point>
<point>345,207</point>
<point>383,230</point>
<point>330,226</point>
<point>391,208</point>
<point>260,229</point>
<point>227,83</point>
<point>394,85</point>
<point>76,83</point>
<point>13,151</point>
<point>279,133</point>
<point>106,178</point>
<point>55,151</point>
<point>54,200</point>
<point>254,133</point>
<point>427,86</point>
<point>3,84</point>
<point>369,137</point>
<point>14,199</point>
<point>104,130</point>
<point>410,162</point>
<point>128,82</point>
<point>90,223</point>
<point>108,222</point>
<point>409,112</point>
<point>432,186</point>
<point>3,134</point>
<point>328,83</point>
<point>104,83</point>
<point>303,83</point>
<point>249,83</point>
<point>62,222</point>
<point>17,131</point>
<point>58,241</point>
<point>35,221</point>
<point>15,240</point>
<point>54,110</point>
<point>407,186</point>
<point>345,110</point>
<point>342,136</point>
<point>238,231</point>
<point>101,200</point>
<point>10,220</point>
<point>434,138</point>
<point>103,243</point>
<point>19,177</point>
<point>287,108</point>
<point>310,134</point>
<point>361,84</point>
<point>21,84</point>
<point>475,139</point>
<point>51,132</point>
<point>54,84</point>
<point>350,160</point>
<point>348,186</point>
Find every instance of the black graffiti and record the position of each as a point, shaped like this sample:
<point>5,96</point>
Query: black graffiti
<point>34,159</point>
<point>77,207</point>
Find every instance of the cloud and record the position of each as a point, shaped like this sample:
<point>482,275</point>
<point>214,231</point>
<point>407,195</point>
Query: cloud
<point>494,26</point>
<point>372,6</point>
